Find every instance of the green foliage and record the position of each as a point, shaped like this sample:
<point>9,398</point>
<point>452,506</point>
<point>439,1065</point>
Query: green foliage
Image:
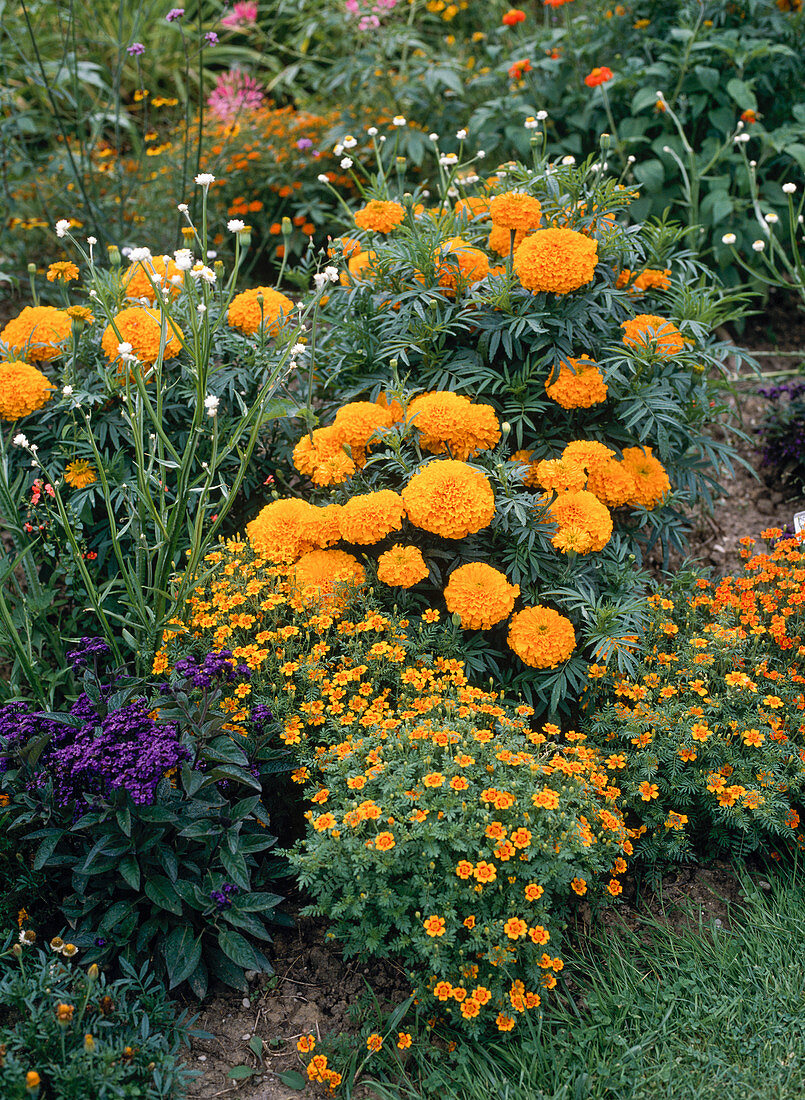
<point>706,735</point>
<point>172,867</point>
<point>670,1009</point>
<point>117,1039</point>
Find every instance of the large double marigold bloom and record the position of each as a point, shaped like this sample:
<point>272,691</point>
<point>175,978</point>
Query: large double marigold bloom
<point>556,260</point>
<point>577,384</point>
<point>142,328</point>
<point>369,517</point>
<point>449,498</point>
<point>401,566</point>
<point>515,210</point>
<point>647,330</point>
<point>260,305</point>
<point>286,529</point>
<point>319,575</point>
<point>356,423</point>
<point>321,456</point>
<point>651,483</point>
<point>379,216</point>
<point>585,524</point>
<point>37,333</point>
<point>23,389</point>
<point>459,264</point>
<point>541,637</point>
<point>480,594</point>
<point>612,483</point>
<point>449,421</point>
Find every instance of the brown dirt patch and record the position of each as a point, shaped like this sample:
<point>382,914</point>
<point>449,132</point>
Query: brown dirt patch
<point>314,991</point>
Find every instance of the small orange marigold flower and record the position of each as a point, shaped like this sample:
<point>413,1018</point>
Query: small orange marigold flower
<point>434,926</point>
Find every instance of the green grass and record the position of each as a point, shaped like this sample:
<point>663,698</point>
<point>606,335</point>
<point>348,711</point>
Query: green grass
<point>707,1014</point>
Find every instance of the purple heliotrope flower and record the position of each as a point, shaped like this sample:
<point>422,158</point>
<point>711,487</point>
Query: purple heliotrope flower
<point>136,49</point>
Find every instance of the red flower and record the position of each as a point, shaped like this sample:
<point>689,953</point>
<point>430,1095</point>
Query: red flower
<point>518,68</point>
<point>748,116</point>
<point>513,17</point>
<point>598,76</point>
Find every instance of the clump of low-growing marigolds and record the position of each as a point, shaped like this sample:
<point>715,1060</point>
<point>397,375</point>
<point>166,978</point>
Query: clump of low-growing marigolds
<point>442,828</point>
<point>709,734</point>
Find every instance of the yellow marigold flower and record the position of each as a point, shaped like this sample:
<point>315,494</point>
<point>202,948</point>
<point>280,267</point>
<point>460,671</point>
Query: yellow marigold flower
<point>588,453</point>
<point>80,313</point>
<point>504,1022</point>
<point>374,1042</point>
<point>584,512</point>
<point>480,594</point>
<point>379,216</point>
<point>449,498</point>
<point>500,240</point>
<point>515,210</point>
<point>142,328</point>
<point>37,332</point>
<point>367,518</point>
<point>260,305</point>
<point>612,483</point>
<point>556,260</point>
<point>306,1044</point>
<point>135,282</point>
<point>648,473</point>
<point>80,473</point>
<point>286,529</point>
<point>647,330</point>
<point>32,1080</point>
<point>401,566</point>
<point>320,573</point>
<point>577,384</point>
<point>559,475</point>
<point>404,1040</point>
<point>23,389</point>
<point>458,264</point>
<point>449,421</point>
<point>541,637</point>
<point>62,272</point>
<point>356,423</point>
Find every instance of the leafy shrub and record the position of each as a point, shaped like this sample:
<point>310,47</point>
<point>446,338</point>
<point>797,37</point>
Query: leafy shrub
<point>708,731</point>
<point>442,829</point>
<point>782,432</point>
<point>68,1033</point>
<point>146,814</point>
<point>568,393</point>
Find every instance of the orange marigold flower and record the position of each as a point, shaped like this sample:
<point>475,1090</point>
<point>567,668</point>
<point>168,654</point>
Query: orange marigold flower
<point>559,474</point>
<point>541,637</point>
<point>344,246</point>
<point>515,928</point>
<point>434,926</point>
<point>262,305</point>
<point>320,574</point>
<point>651,483</point>
<point>533,891</point>
<point>651,279</point>
<point>504,1022</point>
<point>648,791</point>
<point>306,1044</point>
<point>367,518</point>
<point>312,449</point>
<point>286,529</point>
<point>379,216</point>
<point>586,515</point>
<point>480,594</point>
<point>404,1040</point>
<point>500,240</point>
<point>485,872</point>
<point>374,1042</point>
<point>557,260</point>
<point>579,886</point>
<point>612,482</point>
<point>614,887</point>
<point>443,991</point>
<point>518,68</point>
<point>384,841</point>
<point>142,328</point>
<point>579,384</point>
<point>539,935</point>
<point>450,422</point>
<point>515,210</point>
<point>588,453</point>
<point>401,566</point>
<point>357,422</point>
<point>37,333</point>
<point>23,389</point>
<point>135,281</point>
<point>323,821</point>
<point>62,272</point>
<point>361,266</point>
<point>601,75</point>
<point>458,264</point>
<point>513,16</point>
<point>464,868</point>
<point>78,474</point>
<point>470,1009</point>
<point>449,498</point>
<point>647,330</point>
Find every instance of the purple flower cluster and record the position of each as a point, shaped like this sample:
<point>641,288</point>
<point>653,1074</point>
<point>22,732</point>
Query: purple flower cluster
<point>126,750</point>
<point>89,649</point>
<point>223,897</point>
<point>783,430</point>
<point>19,725</point>
<point>174,14</point>
<point>136,49</point>
<point>216,665</point>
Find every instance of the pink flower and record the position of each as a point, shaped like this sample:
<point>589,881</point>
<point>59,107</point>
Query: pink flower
<point>235,94</point>
<point>243,14</point>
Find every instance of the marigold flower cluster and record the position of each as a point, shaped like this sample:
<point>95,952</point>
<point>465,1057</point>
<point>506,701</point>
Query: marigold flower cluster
<point>379,216</point>
<point>558,261</point>
<point>457,264</point>
<point>450,423</point>
<point>648,331</point>
<point>37,333</point>
<point>576,384</point>
<point>261,307</point>
<point>519,828</point>
<point>142,328</point>
<point>24,389</point>
<point>709,729</point>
